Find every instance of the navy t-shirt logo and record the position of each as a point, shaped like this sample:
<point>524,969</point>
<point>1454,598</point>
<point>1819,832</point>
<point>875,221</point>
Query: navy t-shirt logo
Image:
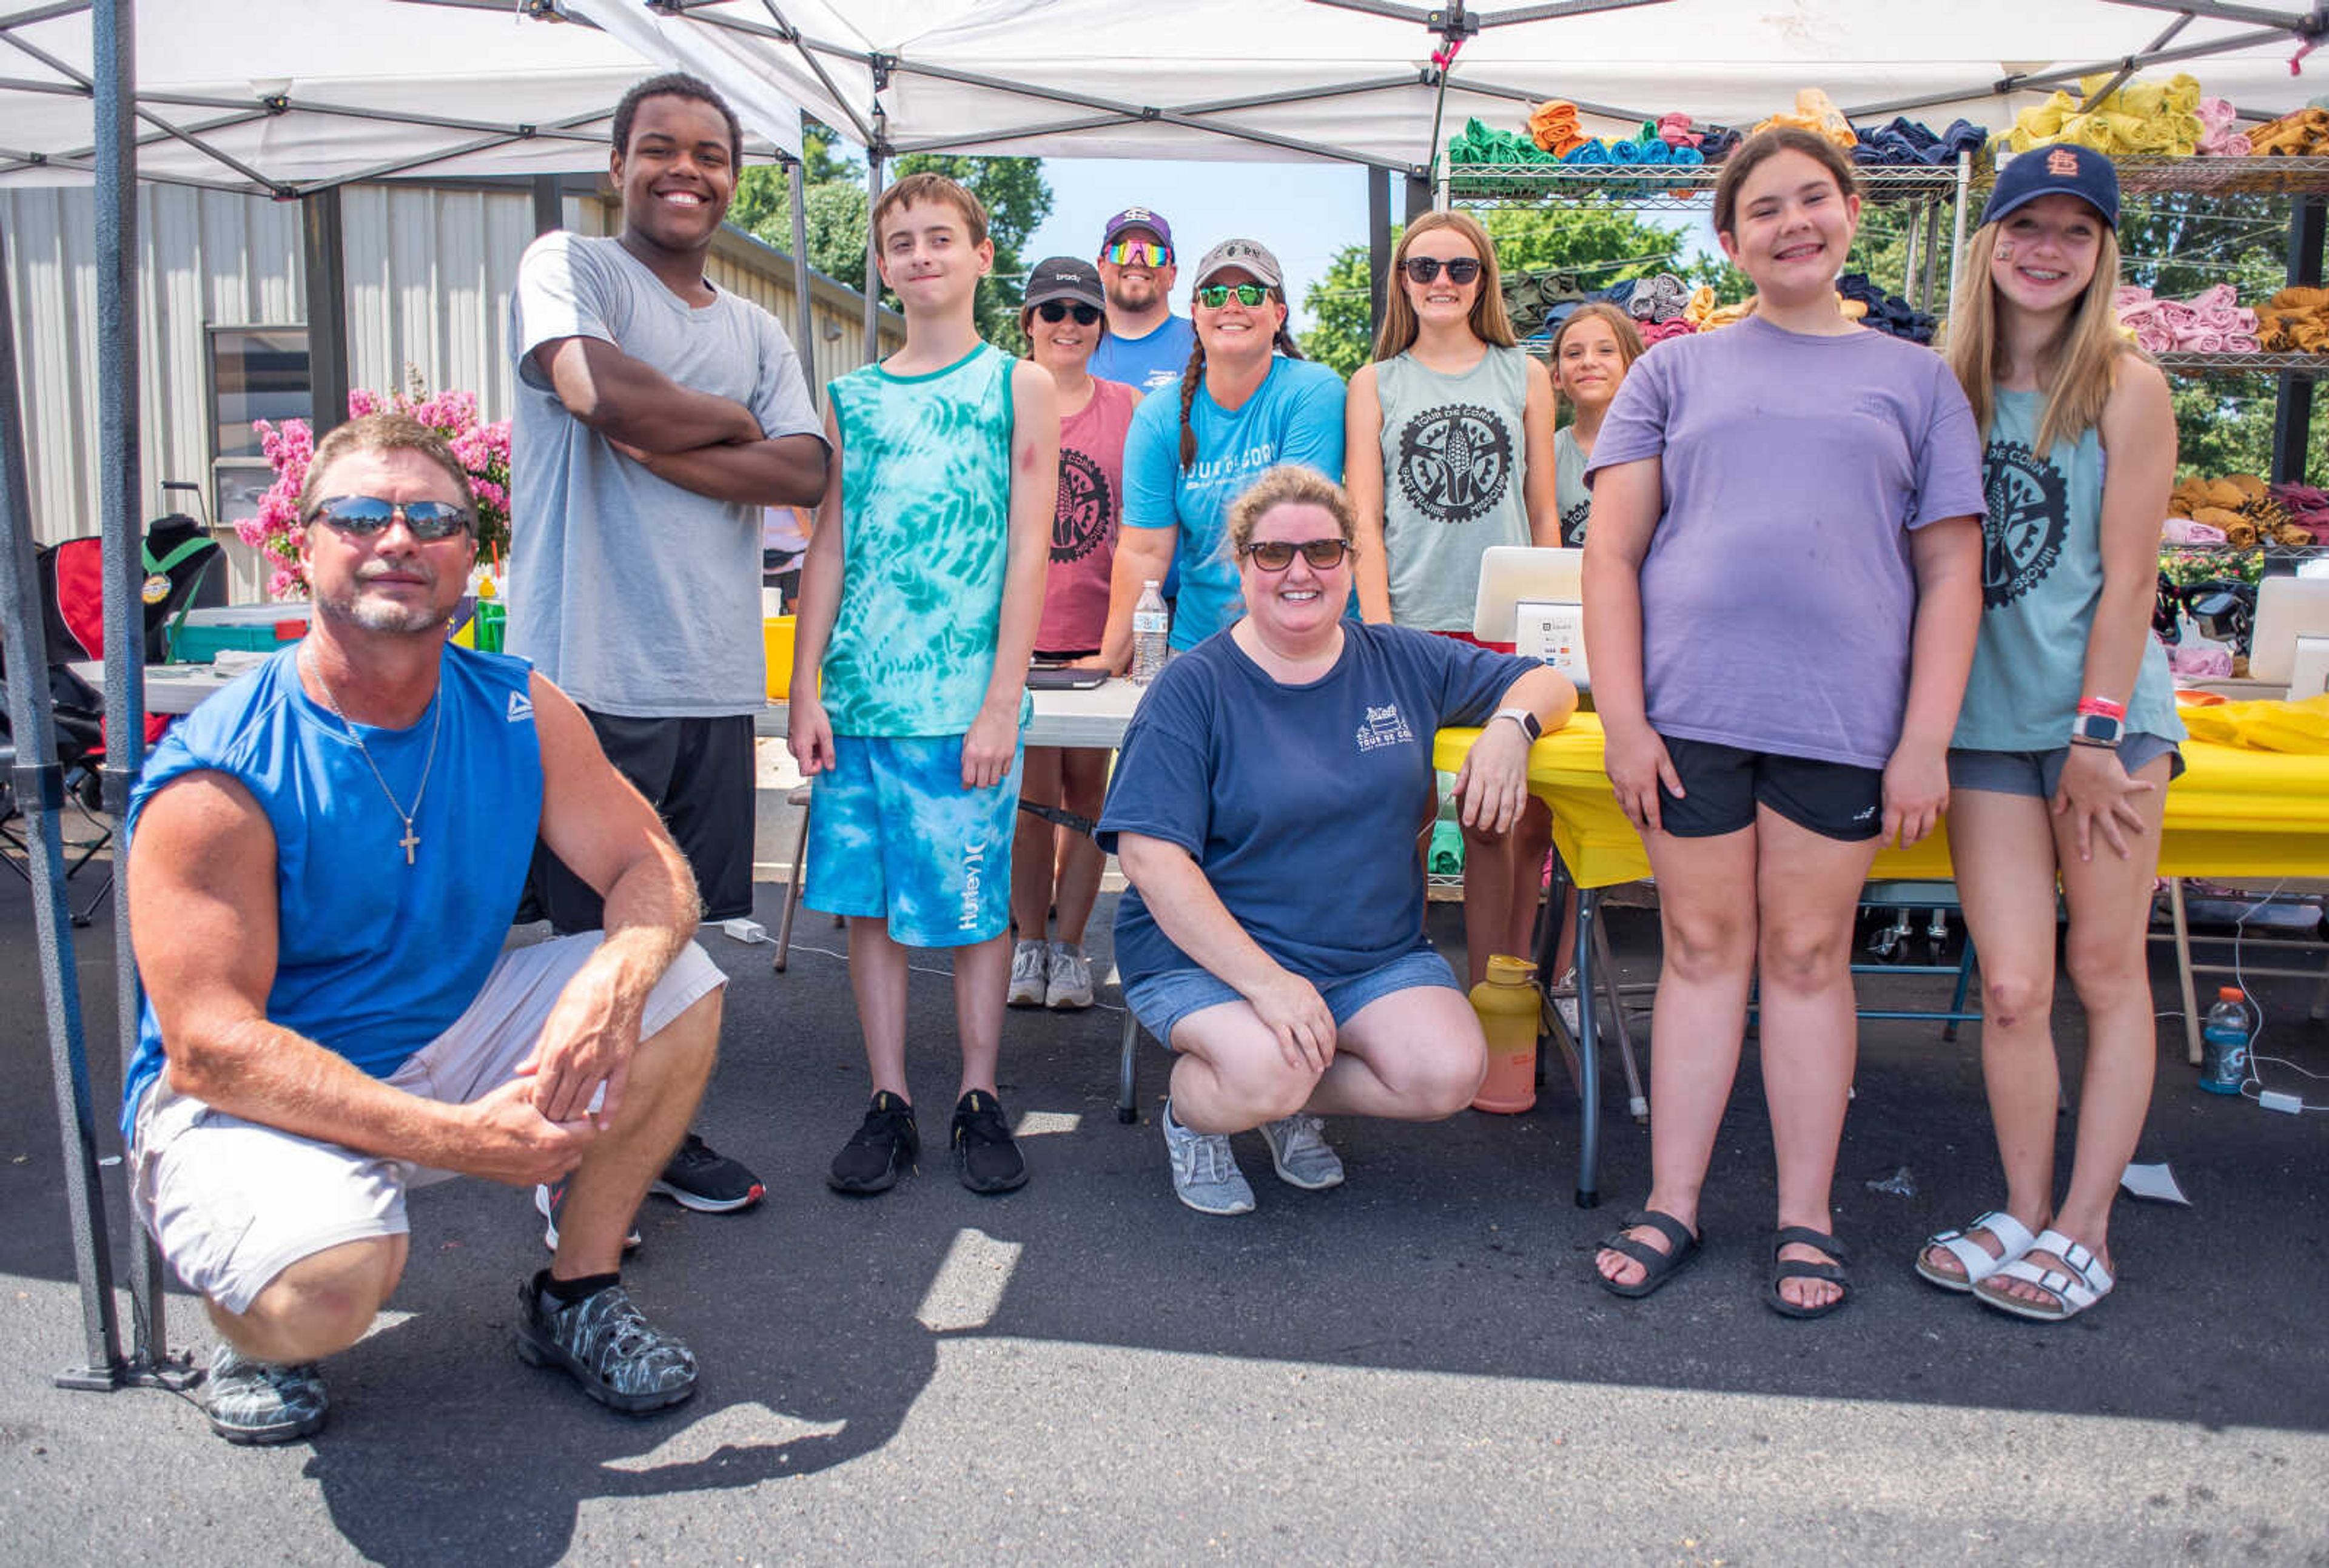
<point>1385,727</point>
<point>2028,517</point>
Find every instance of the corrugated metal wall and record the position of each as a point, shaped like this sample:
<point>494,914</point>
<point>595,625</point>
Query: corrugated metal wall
<point>429,274</point>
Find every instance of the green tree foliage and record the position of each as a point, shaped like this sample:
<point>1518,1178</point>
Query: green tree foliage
<point>1013,190</point>
<point>1589,237</point>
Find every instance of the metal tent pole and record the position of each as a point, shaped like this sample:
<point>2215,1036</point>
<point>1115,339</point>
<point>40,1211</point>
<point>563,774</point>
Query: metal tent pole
<point>804,312</point>
<point>873,271</point>
<point>38,784</point>
<point>1378,246</point>
<point>324,263</point>
<point>119,494</point>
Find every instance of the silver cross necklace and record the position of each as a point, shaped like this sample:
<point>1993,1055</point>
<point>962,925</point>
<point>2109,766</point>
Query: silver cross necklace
<point>411,840</point>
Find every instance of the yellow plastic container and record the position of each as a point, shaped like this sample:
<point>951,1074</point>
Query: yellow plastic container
<point>1507,1004</point>
<point>777,636</point>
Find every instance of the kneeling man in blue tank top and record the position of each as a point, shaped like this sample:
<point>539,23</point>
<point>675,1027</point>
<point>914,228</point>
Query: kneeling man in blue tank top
<point>323,860</point>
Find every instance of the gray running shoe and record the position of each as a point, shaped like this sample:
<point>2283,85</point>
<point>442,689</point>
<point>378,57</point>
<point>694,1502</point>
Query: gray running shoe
<point>1298,1147</point>
<point>1030,973</point>
<point>1205,1174</point>
<point>1069,989</point>
<point>262,1402</point>
<point>604,1344</point>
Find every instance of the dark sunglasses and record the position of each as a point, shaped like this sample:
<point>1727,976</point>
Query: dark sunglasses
<point>1213,295</point>
<point>362,516</point>
<point>1277,554</point>
<point>1424,268</point>
<point>1060,310</point>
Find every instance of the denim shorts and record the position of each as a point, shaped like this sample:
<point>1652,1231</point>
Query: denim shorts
<point>2039,774</point>
<point>1161,1001</point>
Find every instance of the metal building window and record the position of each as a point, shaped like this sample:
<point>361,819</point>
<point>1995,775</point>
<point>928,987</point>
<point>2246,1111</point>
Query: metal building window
<point>256,372</point>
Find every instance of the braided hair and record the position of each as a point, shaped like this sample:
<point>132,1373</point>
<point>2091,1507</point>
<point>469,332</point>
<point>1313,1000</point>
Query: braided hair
<point>1194,376</point>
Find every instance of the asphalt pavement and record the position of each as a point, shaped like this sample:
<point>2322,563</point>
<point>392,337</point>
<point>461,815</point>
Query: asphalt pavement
<point>1413,1368</point>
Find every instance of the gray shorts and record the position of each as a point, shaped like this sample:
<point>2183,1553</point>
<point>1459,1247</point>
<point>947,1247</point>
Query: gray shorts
<point>2039,774</point>
<point>232,1204</point>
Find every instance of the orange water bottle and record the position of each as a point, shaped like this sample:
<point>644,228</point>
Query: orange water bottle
<point>1507,1004</point>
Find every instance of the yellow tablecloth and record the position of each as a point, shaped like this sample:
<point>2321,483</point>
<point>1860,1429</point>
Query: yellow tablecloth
<point>2233,813</point>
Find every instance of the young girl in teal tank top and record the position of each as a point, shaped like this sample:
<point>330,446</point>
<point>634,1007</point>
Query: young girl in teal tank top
<point>2066,742</point>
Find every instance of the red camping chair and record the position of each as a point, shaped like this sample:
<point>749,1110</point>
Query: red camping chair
<point>178,551</point>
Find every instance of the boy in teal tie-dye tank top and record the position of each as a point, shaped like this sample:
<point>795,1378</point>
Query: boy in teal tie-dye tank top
<point>919,599</point>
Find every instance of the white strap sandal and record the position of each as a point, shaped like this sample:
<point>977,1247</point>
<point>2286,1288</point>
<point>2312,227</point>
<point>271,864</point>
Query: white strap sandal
<point>2078,1284</point>
<point>1973,1257</point>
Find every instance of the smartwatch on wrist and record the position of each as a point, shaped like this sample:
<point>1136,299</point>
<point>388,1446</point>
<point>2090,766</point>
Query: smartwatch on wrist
<point>1524,718</point>
<point>2095,730</point>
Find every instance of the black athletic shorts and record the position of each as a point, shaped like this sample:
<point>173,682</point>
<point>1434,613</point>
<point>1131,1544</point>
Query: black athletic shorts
<point>1723,785</point>
<point>698,774</point>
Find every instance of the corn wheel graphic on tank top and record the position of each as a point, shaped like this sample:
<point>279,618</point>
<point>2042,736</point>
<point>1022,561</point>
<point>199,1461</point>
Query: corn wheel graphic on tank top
<point>925,522</point>
<point>2042,576</point>
<point>1452,458</point>
<point>1083,525</point>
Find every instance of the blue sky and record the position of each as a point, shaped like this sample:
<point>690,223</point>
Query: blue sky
<point>1304,213</point>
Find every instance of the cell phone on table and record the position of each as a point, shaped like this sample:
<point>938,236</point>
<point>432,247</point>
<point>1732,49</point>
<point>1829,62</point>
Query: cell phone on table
<point>1063,679</point>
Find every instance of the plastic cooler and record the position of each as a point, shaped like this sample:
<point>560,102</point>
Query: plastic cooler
<point>258,627</point>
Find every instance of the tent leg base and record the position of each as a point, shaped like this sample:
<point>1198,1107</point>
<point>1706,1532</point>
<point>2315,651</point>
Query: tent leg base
<point>175,1372</point>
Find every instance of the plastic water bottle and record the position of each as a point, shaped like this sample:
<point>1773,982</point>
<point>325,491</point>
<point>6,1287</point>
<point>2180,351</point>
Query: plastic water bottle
<point>1151,624</point>
<point>2224,1061</point>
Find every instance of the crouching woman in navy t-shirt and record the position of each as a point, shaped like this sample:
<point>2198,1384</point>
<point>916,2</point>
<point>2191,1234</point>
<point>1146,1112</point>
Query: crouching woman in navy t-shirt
<point>1266,810</point>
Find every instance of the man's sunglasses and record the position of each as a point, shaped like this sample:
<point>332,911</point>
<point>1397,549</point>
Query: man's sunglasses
<point>1213,295</point>
<point>1277,554</point>
<point>1060,310</point>
<point>362,516</point>
<point>1137,253</point>
<point>1460,272</point>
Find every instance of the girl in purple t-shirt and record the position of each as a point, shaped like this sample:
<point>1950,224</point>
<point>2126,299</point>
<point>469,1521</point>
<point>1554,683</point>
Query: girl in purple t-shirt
<point>1782,588</point>
<point>1064,319</point>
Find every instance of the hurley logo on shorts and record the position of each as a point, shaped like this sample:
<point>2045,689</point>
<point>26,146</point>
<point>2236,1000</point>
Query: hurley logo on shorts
<point>1385,727</point>
<point>521,707</point>
<point>974,864</point>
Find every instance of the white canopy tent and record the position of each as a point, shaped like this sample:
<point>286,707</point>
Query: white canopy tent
<point>1356,80</point>
<point>294,98</point>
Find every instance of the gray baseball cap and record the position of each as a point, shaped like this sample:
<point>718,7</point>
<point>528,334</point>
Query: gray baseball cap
<point>1250,255</point>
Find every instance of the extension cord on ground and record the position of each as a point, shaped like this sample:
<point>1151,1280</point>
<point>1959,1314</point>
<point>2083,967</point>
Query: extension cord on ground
<point>2274,1099</point>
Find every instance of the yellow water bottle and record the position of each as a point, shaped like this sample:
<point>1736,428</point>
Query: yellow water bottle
<point>1507,1004</point>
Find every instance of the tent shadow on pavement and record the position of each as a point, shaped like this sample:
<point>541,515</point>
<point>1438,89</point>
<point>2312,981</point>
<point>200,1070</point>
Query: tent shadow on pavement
<point>823,1324</point>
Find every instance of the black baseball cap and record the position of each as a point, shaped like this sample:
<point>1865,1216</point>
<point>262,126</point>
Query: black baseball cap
<point>1066,277</point>
<point>2064,169</point>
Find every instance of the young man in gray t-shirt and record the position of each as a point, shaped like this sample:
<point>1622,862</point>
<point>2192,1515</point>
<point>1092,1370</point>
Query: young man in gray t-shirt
<point>656,415</point>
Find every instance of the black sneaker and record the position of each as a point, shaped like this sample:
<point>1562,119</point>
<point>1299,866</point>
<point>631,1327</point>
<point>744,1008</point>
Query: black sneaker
<point>262,1402</point>
<point>550,1202</point>
<point>699,1178</point>
<point>604,1344</point>
<point>885,1144</point>
<point>984,1155</point>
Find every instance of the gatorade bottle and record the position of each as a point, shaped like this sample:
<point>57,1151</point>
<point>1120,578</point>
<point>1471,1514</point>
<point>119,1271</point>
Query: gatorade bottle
<point>1151,624</point>
<point>1507,1004</point>
<point>2224,1062</point>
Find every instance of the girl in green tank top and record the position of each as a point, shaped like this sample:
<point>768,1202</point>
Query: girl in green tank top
<point>2065,744</point>
<point>1447,444</point>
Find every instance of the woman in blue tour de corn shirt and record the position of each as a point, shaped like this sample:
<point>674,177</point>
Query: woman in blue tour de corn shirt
<point>2062,754</point>
<point>1247,403</point>
<point>1296,740</point>
<point>1782,588</point>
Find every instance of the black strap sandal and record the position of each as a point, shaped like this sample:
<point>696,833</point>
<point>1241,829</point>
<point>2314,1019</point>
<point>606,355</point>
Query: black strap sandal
<point>1793,1268</point>
<point>1658,1266</point>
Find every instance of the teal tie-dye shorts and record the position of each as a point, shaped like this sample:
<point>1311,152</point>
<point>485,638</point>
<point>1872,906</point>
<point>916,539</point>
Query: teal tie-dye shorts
<point>893,836</point>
